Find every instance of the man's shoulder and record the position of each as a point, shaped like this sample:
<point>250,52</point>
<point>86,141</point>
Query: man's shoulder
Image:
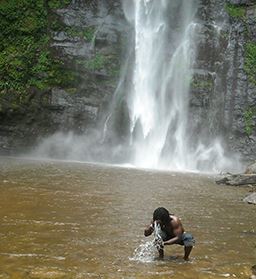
<point>175,218</point>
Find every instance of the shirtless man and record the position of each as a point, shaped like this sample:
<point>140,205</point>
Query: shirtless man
<point>172,232</point>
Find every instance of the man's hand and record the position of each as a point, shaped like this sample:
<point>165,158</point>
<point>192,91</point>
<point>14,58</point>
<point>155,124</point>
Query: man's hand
<point>149,230</point>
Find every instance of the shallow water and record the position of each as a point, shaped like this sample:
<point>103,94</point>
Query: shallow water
<point>71,220</point>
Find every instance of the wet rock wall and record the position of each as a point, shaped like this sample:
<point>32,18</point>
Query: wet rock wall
<point>90,38</point>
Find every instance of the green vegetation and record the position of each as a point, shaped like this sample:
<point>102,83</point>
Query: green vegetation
<point>99,61</point>
<point>96,63</point>
<point>87,33</point>
<point>25,58</point>
<point>201,84</point>
<point>235,11</point>
<point>29,67</point>
<point>56,24</point>
<point>58,4</point>
<point>250,61</point>
<point>248,119</point>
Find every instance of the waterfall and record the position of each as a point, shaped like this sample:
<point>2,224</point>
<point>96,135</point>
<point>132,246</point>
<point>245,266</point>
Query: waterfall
<point>150,122</point>
<point>165,53</point>
<point>159,98</point>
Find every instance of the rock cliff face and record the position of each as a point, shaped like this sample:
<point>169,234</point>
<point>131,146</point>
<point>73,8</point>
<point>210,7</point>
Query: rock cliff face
<point>90,38</point>
<point>223,88</point>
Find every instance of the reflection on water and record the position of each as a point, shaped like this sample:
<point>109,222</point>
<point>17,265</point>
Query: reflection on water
<point>67,220</point>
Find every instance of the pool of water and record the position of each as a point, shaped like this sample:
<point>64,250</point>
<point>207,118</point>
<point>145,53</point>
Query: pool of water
<point>73,220</point>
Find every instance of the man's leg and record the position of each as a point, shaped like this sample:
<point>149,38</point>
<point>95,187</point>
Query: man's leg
<point>187,251</point>
<point>188,242</point>
<point>161,253</point>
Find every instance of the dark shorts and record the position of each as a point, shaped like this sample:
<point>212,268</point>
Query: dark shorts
<point>186,239</point>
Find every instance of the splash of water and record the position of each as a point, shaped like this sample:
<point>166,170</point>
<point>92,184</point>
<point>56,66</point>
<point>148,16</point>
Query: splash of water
<point>146,251</point>
<point>158,241</point>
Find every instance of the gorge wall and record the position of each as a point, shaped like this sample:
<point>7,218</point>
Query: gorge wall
<point>73,73</point>
<point>225,78</point>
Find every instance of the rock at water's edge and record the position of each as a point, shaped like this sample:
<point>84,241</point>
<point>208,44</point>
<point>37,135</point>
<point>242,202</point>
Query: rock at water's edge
<point>238,180</point>
<point>251,169</point>
<point>253,272</point>
<point>251,199</point>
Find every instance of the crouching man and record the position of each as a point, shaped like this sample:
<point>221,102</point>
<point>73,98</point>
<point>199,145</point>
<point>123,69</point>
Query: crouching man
<point>171,232</point>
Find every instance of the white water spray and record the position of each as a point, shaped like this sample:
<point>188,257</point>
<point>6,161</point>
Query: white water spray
<point>155,131</point>
<point>165,52</point>
<point>145,252</point>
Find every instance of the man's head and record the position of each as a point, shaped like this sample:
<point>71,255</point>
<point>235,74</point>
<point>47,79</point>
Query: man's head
<point>162,214</point>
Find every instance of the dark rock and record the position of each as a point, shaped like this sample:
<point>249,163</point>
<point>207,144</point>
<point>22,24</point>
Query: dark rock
<point>88,42</point>
<point>218,104</point>
<point>238,180</point>
<point>254,269</point>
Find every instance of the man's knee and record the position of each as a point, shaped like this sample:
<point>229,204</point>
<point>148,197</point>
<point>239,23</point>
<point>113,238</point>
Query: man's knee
<point>188,240</point>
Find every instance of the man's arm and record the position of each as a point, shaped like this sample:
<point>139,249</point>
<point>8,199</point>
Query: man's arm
<point>178,230</point>
<point>149,230</point>
<point>172,240</point>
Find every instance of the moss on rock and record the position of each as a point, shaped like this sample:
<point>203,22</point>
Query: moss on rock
<point>25,56</point>
<point>249,114</point>
<point>235,11</point>
<point>250,61</point>
<point>202,84</point>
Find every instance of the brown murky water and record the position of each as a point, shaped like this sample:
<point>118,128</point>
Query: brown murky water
<point>71,220</point>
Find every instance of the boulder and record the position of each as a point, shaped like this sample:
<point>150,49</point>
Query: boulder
<point>253,276</point>
<point>246,180</point>
<point>251,199</point>
<point>238,180</point>
<point>254,269</point>
<point>251,169</point>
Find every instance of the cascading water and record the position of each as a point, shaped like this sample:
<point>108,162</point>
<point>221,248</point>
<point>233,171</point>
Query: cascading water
<point>150,123</point>
<point>165,53</point>
<point>159,101</point>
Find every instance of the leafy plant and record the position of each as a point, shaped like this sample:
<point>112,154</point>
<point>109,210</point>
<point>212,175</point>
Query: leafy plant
<point>87,33</point>
<point>96,63</point>
<point>235,11</point>
<point>248,118</point>
<point>202,84</point>
<point>25,57</point>
<point>250,61</point>
<point>58,4</point>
